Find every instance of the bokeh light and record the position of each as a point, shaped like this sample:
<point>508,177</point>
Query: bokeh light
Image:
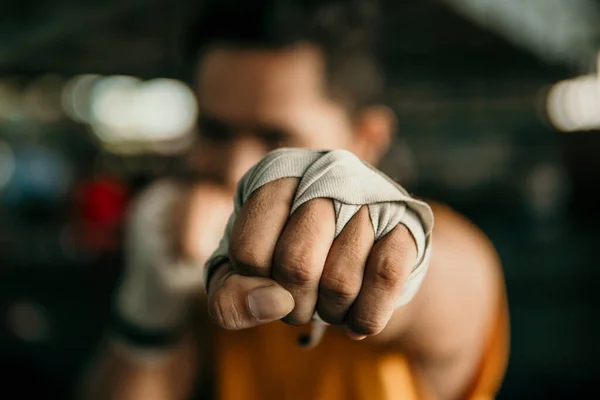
<point>131,116</point>
<point>164,109</point>
<point>76,97</point>
<point>40,174</point>
<point>574,105</point>
<point>111,105</point>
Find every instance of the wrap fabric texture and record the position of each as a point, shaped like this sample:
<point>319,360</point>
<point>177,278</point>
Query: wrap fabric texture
<point>351,184</point>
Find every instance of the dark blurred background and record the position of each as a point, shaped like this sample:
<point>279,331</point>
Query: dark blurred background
<point>488,124</point>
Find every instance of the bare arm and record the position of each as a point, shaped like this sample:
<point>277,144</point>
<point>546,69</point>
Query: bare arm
<point>446,326</point>
<point>115,376</point>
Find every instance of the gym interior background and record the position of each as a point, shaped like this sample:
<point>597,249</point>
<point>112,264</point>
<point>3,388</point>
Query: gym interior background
<point>499,116</point>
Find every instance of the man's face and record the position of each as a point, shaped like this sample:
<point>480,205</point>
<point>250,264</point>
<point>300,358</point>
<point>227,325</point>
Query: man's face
<point>253,101</point>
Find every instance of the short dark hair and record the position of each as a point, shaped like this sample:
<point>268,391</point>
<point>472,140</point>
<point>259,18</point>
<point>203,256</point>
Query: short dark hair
<point>344,30</point>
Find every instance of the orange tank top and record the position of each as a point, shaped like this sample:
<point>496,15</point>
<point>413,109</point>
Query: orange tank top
<point>266,363</point>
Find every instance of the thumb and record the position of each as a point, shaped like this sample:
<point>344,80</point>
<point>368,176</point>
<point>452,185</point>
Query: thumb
<point>238,302</point>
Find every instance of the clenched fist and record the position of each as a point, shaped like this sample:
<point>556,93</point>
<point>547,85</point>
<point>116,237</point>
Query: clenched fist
<point>318,232</point>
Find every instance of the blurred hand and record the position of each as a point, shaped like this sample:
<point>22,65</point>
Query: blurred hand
<point>172,231</point>
<point>287,268</point>
<point>201,220</point>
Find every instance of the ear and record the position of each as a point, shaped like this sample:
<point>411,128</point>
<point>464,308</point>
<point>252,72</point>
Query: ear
<point>374,128</point>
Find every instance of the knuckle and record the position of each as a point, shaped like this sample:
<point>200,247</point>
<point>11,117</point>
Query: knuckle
<point>296,267</point>
<point>224,313</point>
<point>388,273</point>
<point>368,325</point>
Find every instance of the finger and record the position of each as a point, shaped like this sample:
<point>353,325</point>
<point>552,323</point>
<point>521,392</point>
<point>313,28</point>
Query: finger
<point>343,272</point>
<point>258,226</point>
<point>300,256</point>
<point>389,265</point>
<point>238,302</point>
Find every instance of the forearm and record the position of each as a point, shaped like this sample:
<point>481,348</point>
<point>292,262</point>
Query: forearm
<point>117,374</point>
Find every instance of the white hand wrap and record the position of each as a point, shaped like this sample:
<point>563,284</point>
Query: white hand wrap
<point>351,184</point>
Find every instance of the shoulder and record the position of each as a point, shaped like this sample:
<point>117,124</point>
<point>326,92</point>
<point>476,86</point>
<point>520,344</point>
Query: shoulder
<point>463,251</point>
<point>453,230</point>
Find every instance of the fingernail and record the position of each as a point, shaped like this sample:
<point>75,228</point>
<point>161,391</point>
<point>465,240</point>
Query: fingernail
<point>270,303</point>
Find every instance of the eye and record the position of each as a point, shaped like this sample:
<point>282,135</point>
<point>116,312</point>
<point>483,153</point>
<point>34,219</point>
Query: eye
<point>211,128</point>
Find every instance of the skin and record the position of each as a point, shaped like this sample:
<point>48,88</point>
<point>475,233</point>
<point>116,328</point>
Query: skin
<point>259,100</point>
